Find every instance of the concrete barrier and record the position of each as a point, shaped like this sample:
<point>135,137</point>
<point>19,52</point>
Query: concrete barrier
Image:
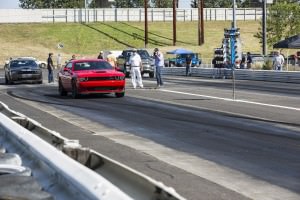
<point>112,177</point>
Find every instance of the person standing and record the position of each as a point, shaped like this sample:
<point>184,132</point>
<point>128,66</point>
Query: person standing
<point>111,58</point>
<point>278,61</point>
<point>100,56</point>
<point>135,62</point>
<point>159,63</point>
<point>50,68</point>
<point>188,65</point>
<point>249,60</point>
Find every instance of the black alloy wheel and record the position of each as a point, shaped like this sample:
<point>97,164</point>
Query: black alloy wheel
<point>75,94</point>
<point>61,90</point>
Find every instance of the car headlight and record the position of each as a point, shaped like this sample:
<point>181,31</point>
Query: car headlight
<point>82,79</point>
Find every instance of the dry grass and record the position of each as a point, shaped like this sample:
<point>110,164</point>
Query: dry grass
<point>87,40</point>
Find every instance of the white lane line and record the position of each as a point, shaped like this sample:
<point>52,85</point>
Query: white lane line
<point>233,100</point>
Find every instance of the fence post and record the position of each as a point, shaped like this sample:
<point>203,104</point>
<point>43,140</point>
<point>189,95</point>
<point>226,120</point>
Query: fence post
<point>255,14</point>
<point>225,14</point>
<point>140,13</point>
<point>116,13</point>
<point>152,14</point>
<point>66,16</point>
<point>128,14</point>
<point>164,14</point>
<point>53,16</point>
<point>191,14</point>
<point>244,14</point>
<point>88,15</point>
<point>209,14</point>
<point>103,12</point>
<point>215,14</point>
<point>184,15</point>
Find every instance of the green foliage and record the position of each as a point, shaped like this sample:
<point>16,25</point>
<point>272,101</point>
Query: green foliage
<point>36,4</point>
<point>129,3</point>
<point>283,20</point>
<point>162,3</point>
<point>268,65</point>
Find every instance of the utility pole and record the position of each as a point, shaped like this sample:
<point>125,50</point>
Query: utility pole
<point>264,27</point>
<point>174,22</point>
<point>146,23</point>
<point>200,22</point>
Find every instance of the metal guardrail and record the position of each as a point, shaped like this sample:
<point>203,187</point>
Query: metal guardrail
<point>100,177</point>
<point>240,74</point>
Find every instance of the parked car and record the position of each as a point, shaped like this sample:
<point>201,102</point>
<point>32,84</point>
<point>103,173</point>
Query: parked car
<point>90,76</point>
<point>23,70</point>
<point>147,62</point>
<point>179,60</point>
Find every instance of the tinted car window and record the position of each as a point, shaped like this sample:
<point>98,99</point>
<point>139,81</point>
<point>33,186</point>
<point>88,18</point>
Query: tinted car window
<point>93,65</point>
<point>144,54</point>
<point>23,63</point>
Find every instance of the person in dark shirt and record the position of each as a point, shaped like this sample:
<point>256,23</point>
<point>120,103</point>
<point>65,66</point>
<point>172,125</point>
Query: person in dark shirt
<point>249,60</point>
<point>100,56</point>
<point>50,68</point>
<point>188,62</point>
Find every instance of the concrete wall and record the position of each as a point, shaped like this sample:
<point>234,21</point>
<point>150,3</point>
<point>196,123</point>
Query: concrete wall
<point>122,14</point>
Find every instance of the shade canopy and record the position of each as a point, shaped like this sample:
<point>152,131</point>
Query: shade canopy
<point>180,51</point>
<point>289,43</point>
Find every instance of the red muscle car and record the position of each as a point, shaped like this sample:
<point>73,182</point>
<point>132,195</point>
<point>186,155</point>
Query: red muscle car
<point>90,76</point>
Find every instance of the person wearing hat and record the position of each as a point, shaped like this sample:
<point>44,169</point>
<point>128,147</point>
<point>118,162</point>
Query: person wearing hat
<point>100,56</point>
<point>159,64</point>
<point>135,62</point>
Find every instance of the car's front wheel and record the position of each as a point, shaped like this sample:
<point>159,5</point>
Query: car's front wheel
<point>120,94</point>
<point>75,93</point>
<point>61,89</point>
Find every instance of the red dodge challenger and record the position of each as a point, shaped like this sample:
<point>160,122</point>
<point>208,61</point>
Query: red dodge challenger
<point>90,76</point>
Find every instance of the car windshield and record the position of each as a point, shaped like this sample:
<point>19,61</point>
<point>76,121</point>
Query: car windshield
<point>23,63</point>
<point>144,54</point>
<point>92,65</point>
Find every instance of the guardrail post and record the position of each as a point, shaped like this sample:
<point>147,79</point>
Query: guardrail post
<point>116,13</point>
<point>103,18</point>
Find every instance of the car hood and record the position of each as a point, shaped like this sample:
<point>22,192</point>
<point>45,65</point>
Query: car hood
<point>93,73</point>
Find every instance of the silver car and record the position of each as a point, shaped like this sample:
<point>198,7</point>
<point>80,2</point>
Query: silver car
<point>23,70</point>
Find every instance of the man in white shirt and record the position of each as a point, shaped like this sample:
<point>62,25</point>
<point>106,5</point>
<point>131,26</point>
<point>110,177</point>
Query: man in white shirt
<point>135,62</point>
<point>278,61</point>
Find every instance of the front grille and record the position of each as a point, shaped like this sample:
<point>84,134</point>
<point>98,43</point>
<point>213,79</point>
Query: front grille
<point>101,78</point>
<point>28,72</point>
<point>105,88</point>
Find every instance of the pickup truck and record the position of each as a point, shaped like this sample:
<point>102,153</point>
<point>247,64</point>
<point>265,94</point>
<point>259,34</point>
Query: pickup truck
<point>147,62</point>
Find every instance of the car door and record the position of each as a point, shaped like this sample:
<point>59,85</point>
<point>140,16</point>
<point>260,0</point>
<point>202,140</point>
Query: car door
<point>66,76</point>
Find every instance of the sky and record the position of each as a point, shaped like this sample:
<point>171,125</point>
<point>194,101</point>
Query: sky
<point>9,4</point>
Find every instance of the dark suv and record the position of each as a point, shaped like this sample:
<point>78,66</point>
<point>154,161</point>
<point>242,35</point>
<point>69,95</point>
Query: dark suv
<point>147,62</point>
<point>23,70</point>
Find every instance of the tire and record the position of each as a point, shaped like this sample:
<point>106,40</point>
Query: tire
<point>61,90</point>
<point>120,94</point>
<point>151,74</point>
<point>75,94</point>
<point>6,80</point>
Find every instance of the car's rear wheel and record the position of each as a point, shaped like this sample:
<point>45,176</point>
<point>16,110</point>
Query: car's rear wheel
<point>120,94</point>
<point>75,93</point>
<point>61,89</point>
